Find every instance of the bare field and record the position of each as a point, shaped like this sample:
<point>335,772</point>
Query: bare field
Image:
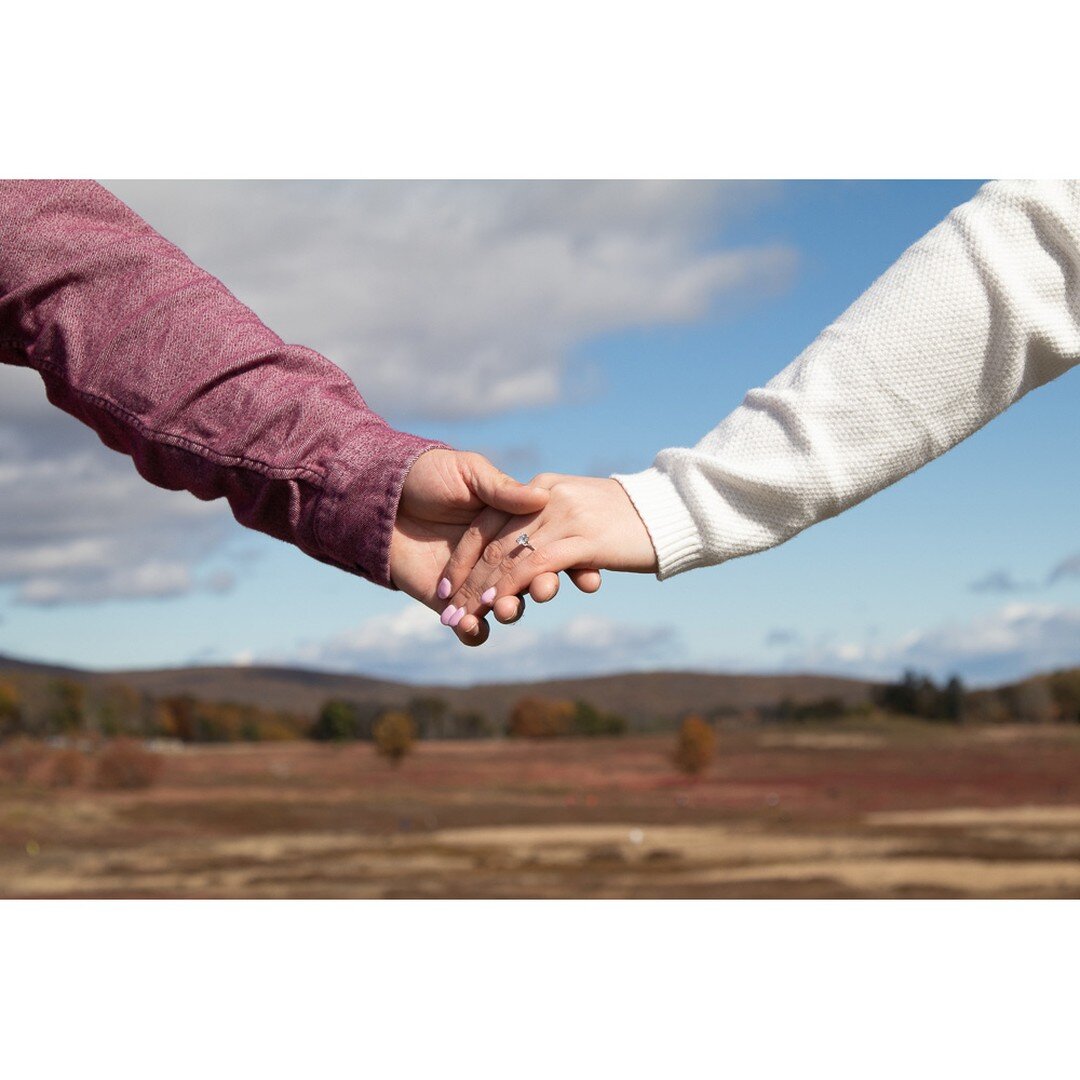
<point>905,811</point>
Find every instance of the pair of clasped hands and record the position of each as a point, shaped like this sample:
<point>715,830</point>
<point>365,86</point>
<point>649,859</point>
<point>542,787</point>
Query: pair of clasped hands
<point>454,546</point>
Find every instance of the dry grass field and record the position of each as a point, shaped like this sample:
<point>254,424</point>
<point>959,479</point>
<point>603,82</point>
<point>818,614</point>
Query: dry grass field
<point>900,811</point>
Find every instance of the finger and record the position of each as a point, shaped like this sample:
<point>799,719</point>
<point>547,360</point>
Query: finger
<point>507,569</point>
<point>508,609</point>
<point>588,581</point>
<point>503,492</point>
<point>474,595</point>
<point>476,634</point>
<point>544,587</point>
<point>484,528</point>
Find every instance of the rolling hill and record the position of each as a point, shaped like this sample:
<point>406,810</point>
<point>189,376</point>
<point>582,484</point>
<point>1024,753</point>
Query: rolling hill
<point>640,696</point>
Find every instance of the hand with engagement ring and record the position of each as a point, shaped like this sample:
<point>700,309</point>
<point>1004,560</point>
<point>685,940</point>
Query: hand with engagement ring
<point>429,526</point>
<point>589,524</point>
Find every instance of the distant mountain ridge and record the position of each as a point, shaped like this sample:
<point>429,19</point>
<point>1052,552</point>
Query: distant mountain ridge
<point>640,696</point>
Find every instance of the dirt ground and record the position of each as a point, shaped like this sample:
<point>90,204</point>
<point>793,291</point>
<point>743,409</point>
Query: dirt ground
<point>897,812</point>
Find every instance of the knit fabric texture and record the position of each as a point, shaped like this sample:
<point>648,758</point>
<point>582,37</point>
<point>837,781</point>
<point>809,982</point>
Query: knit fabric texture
<point>981,310</point>
<point>166,365</point>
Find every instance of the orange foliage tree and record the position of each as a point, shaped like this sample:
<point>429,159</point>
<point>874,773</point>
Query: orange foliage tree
<point>541,718</point>
<point>394,734</point>
<point>695,746</point>
<point>10,709</point>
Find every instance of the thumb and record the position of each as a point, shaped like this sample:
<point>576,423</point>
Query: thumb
<point>493,487</point>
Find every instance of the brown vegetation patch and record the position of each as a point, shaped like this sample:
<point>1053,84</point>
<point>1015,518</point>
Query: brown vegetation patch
<point>919,812</point>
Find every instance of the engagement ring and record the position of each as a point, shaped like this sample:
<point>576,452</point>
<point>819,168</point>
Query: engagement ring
<point>523,541</point>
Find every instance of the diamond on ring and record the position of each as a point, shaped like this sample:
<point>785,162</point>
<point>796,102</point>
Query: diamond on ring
<point>523,541</point>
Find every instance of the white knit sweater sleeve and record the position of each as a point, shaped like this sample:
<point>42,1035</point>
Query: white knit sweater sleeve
<point>981,310</point>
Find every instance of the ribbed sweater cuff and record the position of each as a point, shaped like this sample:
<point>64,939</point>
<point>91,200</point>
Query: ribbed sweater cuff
<point>675,537</point>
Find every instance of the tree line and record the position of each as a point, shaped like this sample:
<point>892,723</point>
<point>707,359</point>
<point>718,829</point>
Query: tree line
<point>109,721</point>
<point>1043,699</point>
<point>67,709</point>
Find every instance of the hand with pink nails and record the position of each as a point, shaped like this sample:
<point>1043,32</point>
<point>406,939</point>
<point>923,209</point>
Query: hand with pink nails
<point>588,524</point>
<point>440,500</point>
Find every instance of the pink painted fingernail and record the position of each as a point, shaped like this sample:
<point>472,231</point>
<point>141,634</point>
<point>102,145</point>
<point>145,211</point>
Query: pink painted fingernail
<point>447,615</point>
<point>444,588</point>
<point>488,596</point>
<point>456,617</point>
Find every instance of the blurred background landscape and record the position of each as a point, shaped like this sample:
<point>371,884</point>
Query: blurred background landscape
<point>886,705</point>
<point>287,783</point>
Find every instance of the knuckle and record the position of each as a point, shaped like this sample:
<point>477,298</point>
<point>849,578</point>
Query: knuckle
<point>494,553</point>
<point>469,594</point>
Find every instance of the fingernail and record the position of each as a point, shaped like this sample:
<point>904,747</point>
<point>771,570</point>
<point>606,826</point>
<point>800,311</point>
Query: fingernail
<point>445,617</point>
<point>456,617</point>
<point>488,596</point>
<point>469,625</point>
<point>444,588</point>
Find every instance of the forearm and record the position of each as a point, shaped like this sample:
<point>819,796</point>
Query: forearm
<point>980,311</point>
<point>167,366</point>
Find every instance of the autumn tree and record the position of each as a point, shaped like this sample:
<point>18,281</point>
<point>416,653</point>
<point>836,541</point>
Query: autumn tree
<point>263,725</point>
<point>10,709</point>
<point>695,746</point>
<point>541,718</point>
<point>394,734</point>
<point>177,717</point>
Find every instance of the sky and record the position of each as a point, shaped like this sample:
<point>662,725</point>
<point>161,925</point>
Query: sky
<point>570,327</point>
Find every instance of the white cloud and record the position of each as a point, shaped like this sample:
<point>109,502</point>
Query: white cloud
<point>413,646</point>
<point>999,646</point>
<point>79,524</point>
<point>449,299</point>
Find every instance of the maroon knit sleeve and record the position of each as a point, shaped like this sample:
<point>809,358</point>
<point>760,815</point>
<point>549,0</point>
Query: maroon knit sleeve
<point>166,365</point>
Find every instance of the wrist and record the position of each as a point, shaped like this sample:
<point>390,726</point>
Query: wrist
<point>673,534</point>
<point>358,509</point>
<point>634,543</point>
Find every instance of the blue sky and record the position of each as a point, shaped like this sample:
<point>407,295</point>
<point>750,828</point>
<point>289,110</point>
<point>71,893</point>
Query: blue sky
<point>566,327</point>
